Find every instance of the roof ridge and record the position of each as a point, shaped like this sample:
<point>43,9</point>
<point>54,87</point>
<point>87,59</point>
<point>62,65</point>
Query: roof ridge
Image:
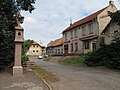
<point>85,19</point>
<point>56,42</point>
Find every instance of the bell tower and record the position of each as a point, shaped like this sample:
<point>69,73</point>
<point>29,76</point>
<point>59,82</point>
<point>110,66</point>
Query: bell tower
<point>18,69</point>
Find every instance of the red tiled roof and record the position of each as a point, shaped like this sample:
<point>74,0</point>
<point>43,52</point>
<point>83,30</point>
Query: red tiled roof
<point>56,42</point>
<point>35,43</point>
<point>86,19</point>
<point>50,44</point>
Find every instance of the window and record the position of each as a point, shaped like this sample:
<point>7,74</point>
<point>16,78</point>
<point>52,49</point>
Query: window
<point>36,50</point>
<point>58,51</point>
<point>86,44</point>
<point>76,31</point>
<point>90,28</point>
<point>83,30</point>
<point>33,50</point>
<point>61,51</point>
<point>71,34</point>
<point>76,46</point>
<point>33,45</point>
<point>65,36</point>
<point>72,47</point>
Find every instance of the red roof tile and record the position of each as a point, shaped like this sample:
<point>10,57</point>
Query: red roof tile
<point>56,42</point>
<point>86,19</point>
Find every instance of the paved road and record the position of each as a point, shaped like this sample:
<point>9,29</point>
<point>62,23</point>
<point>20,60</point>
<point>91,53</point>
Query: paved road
<point>28,81</point>
<point>81,78</point>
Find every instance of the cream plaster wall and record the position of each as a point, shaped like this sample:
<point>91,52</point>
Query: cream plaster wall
<point>35,48</point>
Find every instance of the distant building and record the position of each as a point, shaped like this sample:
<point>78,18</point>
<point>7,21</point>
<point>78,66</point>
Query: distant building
<point>35,49</point>
<point>83,36</point>
<point>55,47</point>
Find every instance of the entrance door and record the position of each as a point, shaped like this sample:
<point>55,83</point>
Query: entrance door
<point>66,49</point>
<point>94,46</point>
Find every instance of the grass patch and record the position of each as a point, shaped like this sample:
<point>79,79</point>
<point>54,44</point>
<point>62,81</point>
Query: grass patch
<point>45,74</point>
<point>47,59</point>
<point>73,60</point>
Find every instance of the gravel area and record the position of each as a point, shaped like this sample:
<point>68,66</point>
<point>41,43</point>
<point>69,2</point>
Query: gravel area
<point>81,78</point>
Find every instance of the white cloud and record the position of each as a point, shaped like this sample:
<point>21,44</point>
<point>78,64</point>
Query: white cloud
<point>51,17</point>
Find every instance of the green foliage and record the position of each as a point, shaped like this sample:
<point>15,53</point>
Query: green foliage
<point>26,45</point>
<point>45,74</point>
<point>73,60</point>
<point>116,17</point>
<point>26,5</point>
<point>106,55</point>
<point>46,58</point>
<point>6,31</point>
<point>8,10</point>
<point>24,58</point>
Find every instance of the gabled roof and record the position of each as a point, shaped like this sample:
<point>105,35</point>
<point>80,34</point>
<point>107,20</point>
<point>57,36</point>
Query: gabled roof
<point>35,43</point>
<point>50,44</point>
<point>84,20</point>
<point>57,42</point>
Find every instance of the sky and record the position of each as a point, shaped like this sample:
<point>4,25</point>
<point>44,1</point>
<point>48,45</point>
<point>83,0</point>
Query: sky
<point>51,17</point>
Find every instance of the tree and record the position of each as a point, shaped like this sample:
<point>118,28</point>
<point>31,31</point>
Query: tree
<point>26,45</point>
<point>116,17</point>
<point>8,11</point>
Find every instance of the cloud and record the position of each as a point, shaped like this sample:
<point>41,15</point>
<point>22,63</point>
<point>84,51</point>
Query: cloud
<point>31,21</point>
<point>51,17</point>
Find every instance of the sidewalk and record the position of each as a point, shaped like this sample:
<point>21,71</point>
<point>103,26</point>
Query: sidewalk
<point>29,81</point>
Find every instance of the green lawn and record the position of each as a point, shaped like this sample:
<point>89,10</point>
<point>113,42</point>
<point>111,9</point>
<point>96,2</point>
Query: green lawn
<point>45,74</point>
<point>73,60</point>
<point>47,58</point>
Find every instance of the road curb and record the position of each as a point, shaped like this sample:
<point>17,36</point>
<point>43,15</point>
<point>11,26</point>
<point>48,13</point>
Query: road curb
<point>49,86</point>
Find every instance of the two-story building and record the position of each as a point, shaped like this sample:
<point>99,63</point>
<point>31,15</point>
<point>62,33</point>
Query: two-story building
<point>83,36</point>
<point>36,49</point>
<point>55,47</point>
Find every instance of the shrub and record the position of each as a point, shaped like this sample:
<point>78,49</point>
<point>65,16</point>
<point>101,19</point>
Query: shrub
<point>106,55</point>
<point>24,58</point>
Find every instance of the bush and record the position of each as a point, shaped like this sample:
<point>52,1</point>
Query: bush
<point>24,58</point>
<point>107,55</point>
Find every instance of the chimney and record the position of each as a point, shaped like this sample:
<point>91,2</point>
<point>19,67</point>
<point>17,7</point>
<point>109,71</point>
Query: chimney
<point>111,2</point>
<point>70,22</point>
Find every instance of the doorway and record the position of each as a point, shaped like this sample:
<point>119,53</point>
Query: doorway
<point>66,49</point>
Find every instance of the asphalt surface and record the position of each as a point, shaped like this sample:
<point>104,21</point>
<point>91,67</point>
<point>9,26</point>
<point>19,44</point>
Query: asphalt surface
<point>28,81</point>
<point>81,78</point>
